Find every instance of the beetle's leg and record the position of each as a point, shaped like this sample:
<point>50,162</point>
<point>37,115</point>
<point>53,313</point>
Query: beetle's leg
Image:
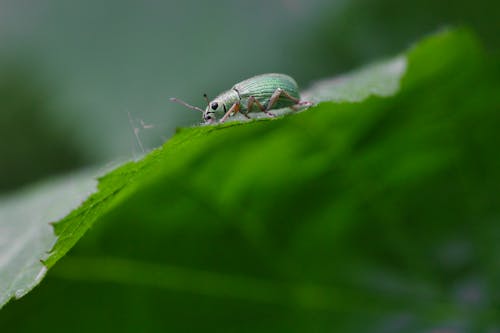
<point>300,104</point>
<point>252,100</point>
<point>246,115</point>
<point>248,110</point>
<point>277,94</point>
<point>235,108</point>
<point>280,92</point>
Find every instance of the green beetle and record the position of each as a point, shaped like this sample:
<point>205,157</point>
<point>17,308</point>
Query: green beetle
<point>260,93</point>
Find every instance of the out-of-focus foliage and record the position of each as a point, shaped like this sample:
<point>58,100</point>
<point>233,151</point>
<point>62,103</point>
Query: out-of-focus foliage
<point>31,147</point>
<point>26,235</point>
<point>363,30</point>
<point>380,216</point>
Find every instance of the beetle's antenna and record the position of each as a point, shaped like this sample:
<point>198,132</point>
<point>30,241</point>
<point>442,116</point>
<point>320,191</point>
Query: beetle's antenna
<point>206,99</point>
<point>173,99</point>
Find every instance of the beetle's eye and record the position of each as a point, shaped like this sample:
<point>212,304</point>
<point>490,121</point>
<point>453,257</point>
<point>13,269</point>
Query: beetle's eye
<point>214,105</point>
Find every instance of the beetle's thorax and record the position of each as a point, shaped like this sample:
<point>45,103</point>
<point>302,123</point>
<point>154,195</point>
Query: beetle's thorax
<point>225,100</point>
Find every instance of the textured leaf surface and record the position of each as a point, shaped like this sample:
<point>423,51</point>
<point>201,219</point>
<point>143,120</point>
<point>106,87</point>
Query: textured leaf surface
<point>381,79</point>
<point>26,237</point>
<point>378,215</point>
<point>25,234</point>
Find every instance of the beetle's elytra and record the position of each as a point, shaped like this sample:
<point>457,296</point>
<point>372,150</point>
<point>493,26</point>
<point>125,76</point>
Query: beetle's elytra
<point>260,93</point>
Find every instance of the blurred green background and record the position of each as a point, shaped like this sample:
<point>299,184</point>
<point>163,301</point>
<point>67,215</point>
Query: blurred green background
<point>76,77</point>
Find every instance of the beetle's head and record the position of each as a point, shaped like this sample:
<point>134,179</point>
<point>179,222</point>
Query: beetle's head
<point>209,113</point>
<point>212,107</point>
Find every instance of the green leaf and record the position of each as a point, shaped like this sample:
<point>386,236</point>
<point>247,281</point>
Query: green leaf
<point>25,234</point>
<point>375,212</point>
<point>381,79</point>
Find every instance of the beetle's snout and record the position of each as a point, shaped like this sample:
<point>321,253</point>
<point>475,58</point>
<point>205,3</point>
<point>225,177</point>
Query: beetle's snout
<point>208,117</point>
